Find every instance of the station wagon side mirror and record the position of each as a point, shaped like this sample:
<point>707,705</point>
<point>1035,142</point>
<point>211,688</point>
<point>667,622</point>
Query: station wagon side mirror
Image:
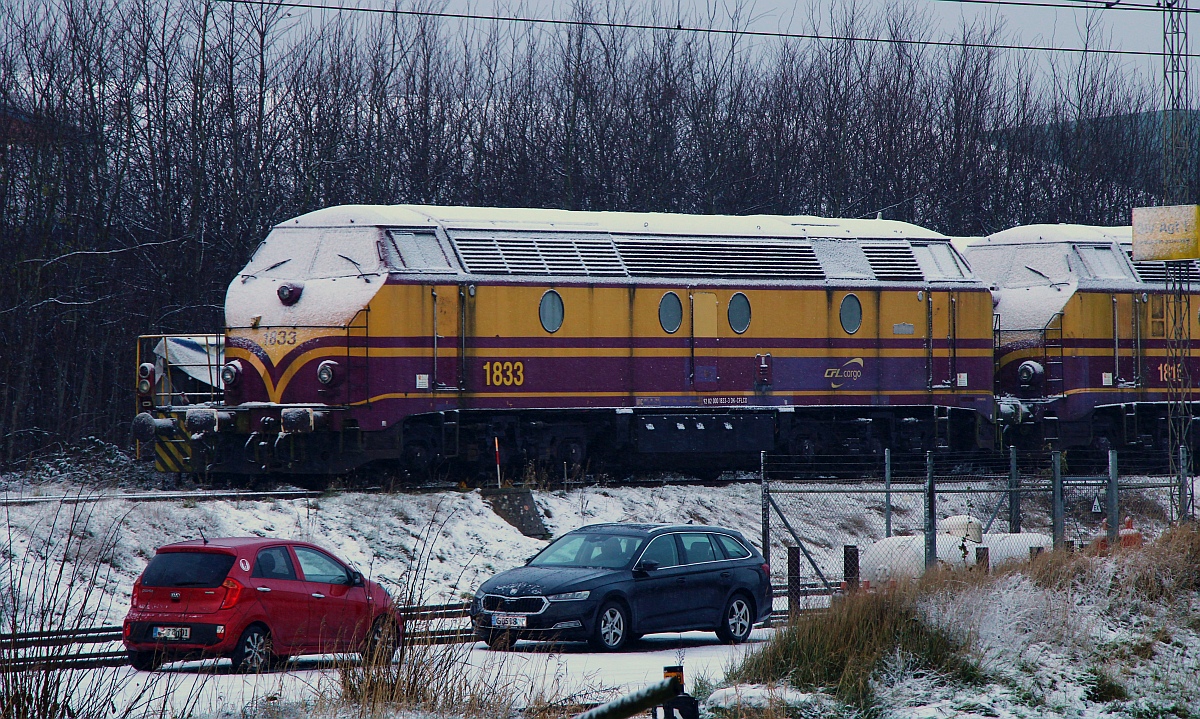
<point>646,565</point>
<point>356,579</point>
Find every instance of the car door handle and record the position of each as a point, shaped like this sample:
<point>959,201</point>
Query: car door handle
<point>681,580</point>
<point>318,596</point>
<point>263,589</point>
<point>725,575</point>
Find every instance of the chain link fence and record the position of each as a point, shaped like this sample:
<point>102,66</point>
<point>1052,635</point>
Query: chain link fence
<point>880,520</point>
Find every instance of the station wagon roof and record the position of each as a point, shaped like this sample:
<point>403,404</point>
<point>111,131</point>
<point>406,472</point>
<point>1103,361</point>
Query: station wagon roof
<point>649,528</point>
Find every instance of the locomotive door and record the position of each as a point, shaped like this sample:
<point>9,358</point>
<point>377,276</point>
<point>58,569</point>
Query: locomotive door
<point>705,372</point>
<point>446,366</point>
<point>941,321</point>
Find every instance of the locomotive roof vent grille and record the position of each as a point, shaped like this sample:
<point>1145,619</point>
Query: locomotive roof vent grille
<point>550,254</point>
<point>892,261</point>
<point>1156,271</point>
<point>704,257</point>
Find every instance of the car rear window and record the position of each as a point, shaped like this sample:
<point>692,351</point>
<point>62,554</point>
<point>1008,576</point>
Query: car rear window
<point>733,548</point>
<point>187,569</point>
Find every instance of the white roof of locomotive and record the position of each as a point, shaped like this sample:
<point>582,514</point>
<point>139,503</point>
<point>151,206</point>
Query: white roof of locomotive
<point>1035,269</point>
<point>658,223</point>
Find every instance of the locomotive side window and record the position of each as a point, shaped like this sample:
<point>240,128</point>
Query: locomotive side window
<point>670,313</point>
<point>851,314</point>
<point>739,313</point>
<point>550,311</point>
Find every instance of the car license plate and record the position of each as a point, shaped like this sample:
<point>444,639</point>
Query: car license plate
<point>508,620</point>
<point>174,634</point>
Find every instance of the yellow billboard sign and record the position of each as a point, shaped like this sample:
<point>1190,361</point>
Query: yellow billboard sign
<point>1166,233</point>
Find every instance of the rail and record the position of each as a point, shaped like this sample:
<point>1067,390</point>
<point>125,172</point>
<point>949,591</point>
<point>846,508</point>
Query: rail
<point>11,643</point>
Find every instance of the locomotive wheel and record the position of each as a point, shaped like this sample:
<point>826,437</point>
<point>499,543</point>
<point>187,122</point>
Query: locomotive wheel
<point>418,458</point>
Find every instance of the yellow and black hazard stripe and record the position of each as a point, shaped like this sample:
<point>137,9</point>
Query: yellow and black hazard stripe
<point>173,453</point>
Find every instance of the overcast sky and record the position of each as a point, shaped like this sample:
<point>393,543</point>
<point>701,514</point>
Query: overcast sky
<point>1128,30</point>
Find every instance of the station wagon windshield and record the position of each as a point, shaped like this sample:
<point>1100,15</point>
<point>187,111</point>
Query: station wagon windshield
<point>600,551</point>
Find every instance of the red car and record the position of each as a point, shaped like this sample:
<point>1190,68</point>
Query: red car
<point>257,601</point>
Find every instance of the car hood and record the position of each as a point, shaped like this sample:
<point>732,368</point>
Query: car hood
<point>525,581</point>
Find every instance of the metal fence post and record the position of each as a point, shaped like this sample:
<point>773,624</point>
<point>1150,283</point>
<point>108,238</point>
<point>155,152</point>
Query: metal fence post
<point>1185,476</point>
<point>930,514</point>
<point>1014,492</point>
<point>850,566</point>
<point>793,580</point>
<point>1058,530</point>
<point>1110,497</point>
<point>766,506</point>
<point>887,492</point>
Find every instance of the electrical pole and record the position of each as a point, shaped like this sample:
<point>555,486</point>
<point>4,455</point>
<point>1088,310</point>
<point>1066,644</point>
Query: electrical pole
<point>1177,171</point>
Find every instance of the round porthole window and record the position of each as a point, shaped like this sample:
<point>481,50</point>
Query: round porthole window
<point>851,314</point>
<point>550,311</point>
<point>670,313</point>
<point>739,313</point>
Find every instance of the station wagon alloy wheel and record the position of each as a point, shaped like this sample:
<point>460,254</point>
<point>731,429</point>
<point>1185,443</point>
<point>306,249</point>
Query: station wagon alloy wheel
<point>612,627</point>
<point>738,622</point>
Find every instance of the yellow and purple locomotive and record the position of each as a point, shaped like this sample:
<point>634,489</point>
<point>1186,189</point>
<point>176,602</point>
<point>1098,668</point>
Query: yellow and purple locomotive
<point>421,335</point>
<point>1082,332</point>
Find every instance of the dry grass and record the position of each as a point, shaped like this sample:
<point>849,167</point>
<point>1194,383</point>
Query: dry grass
<point>448,679</point>
<point>54,580</point>
<point>840,650</point>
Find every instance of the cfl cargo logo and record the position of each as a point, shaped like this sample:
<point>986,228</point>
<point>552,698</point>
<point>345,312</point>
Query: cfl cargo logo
<point>848,372</point>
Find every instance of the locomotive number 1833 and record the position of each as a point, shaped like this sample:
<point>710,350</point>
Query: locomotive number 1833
<point>503,374</point>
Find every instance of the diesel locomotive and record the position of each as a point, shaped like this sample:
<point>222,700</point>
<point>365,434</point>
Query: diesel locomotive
<point>420,337</point>
<point>423,337</point>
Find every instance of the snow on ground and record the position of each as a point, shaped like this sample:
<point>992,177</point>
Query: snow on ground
<point>1046,652</point>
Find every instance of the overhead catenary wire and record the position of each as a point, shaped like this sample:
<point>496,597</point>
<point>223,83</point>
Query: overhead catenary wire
<point>1067,5</point>
<point>602,25</point>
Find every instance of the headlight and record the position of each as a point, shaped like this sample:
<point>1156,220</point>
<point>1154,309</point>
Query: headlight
<point>569,596</point>
<point>230,374</point>
<point>327,372</point>
<point>143,386</point>
<point>145,370</point>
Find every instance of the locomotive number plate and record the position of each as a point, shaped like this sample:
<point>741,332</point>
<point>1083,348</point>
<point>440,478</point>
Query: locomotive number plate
<point>503,374</point>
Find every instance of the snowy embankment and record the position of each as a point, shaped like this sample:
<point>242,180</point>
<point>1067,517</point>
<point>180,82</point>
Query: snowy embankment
<point>454,538</point>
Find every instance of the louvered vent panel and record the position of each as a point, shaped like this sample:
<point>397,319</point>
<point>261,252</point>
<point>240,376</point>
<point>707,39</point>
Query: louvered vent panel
<point>481,255</point>
<point>691,257</point>
<point>1156,271</point>
<point>538,255</point>
<point>892,261</point>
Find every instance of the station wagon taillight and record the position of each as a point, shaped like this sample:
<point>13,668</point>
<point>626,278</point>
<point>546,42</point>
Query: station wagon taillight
<point>137,589</point>
<point>233,592</point>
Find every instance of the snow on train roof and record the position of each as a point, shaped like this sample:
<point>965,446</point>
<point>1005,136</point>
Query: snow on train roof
<point>532,219</point>
<point>653,246</point>
<point>1034,270</point>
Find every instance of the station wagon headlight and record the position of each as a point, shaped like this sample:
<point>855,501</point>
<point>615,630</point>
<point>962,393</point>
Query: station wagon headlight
<point>569,596</point>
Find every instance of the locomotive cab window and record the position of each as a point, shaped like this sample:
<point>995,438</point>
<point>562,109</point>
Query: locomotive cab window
<point>850,314</point>
<point>550,311</point>
<point>670,313</point>
<point>739,313</point>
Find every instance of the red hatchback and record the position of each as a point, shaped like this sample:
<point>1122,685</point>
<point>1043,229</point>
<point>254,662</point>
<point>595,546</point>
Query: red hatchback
<point>254,600</point>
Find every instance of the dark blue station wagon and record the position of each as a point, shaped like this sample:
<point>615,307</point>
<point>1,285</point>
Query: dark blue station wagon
<point>609,584</point>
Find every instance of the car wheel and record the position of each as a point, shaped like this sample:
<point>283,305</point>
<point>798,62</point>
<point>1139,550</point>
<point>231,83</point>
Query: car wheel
<point>253,650</point>
<point>737,620</point>
<point>145,661</point>
<point>500,641</point>
<point>381,644</point>
<point>612,627</point>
